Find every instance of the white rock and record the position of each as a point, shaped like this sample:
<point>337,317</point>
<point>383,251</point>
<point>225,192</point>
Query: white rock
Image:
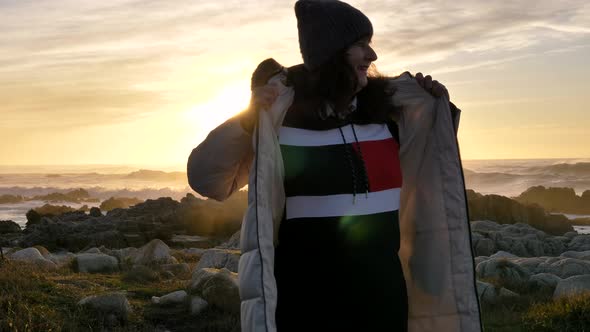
<point>198,304</point>
<point>503,254</point>
<point>177,297</point>
<point>572,286</point>
<point>220,258</point>
<point>34,257</point>
<point>544,280</point>
<point>96,263</point>
<point>155,252</point>
<point>113,303</point>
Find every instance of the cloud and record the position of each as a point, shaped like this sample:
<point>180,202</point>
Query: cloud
<point>88,63</point>
<point>99,62</point>
<point>407,29</point>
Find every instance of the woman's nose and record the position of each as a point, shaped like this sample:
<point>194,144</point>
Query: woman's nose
<point>371,55</point>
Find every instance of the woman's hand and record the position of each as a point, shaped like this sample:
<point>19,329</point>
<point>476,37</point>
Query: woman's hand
<point>262,98</point>
<point>433,87</point>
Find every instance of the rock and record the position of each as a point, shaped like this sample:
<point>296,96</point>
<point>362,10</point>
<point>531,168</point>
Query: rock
<point>156,252</point>
<point>503,254</point>
<point>233,242</point>
<point>503,270</point>
<point>194,251</point>
<point>113,303</point>
<point>63,258</point>
<point>480,259</point>
<point>173,298</point>
<point>218,287</point>
<point>28,254</point>
<point>489,294</point>
<point>177,269</point>
<point>583,255</point>
<point>95,212</point>
<point>198,304</point>
<point>570,235</point>
<point>572,285</point>
<point>544,280</point>
<point>34,257</point>
<point>141,274</point>
<point>190,241</point>
<point>580,242</point>
<point>485,247</point>
<point>565,268</point>
<point>96,263</point>
<point>94,250</point>
<point>220,258</point>
<point>553,246</point>
<point>126,256</point>
<point>529,263</point>
<point>9,226</point>
<point>484,226</point>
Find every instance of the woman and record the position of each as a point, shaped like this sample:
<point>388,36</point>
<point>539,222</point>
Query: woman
<point>326,162</point>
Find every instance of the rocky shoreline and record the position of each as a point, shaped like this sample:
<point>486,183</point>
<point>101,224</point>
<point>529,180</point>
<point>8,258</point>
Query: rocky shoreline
<point>508,258</point>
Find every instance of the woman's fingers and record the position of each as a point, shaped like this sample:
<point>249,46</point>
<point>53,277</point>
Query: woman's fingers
<point>420,78</point>
<point>434,87</point>
<point>428,83</point>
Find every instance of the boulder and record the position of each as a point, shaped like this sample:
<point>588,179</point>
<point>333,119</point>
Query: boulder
<point>572,286</point>
<point>503,254</point>
<point>198,304</point>
<point>190,241</point>
<point>485,247</point>
<point>174,298</point>
<point>503,270</point>
<point>565,267</point>
<point>220,258</point>
<point>579,242</point>
<point>109,304</point>
<point>218,287</point>
<point>484,226</point>
<point>96,263</point>
<point>34,257</point>
<point>156,252</point>
<point>544,280</point>
<point>489,294</point>
<point>529,263</point>
<point>177,269</point>
<point>583,255</point>
<point>9,226</point>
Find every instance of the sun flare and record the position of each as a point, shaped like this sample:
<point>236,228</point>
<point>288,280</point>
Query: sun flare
<point>231,100</point>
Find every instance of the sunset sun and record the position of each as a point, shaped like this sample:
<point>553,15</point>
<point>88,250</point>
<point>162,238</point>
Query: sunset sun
<point>230,100</point>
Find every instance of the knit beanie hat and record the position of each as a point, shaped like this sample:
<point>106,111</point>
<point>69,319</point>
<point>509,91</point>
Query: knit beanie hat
<point>327,27</point>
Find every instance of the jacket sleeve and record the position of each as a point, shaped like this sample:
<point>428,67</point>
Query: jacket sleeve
<point>455,115</point>
<point>220,164</point>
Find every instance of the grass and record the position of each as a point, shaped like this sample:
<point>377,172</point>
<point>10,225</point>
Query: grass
<point>535,311</point>
<point>35,300</point>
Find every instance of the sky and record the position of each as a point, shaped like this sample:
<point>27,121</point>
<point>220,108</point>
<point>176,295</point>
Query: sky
<point>143,82</point>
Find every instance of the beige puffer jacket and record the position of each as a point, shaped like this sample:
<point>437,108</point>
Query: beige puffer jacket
<point>435,251</point>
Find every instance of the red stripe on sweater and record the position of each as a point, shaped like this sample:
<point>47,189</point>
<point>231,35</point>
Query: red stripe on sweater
<point>382,162</point>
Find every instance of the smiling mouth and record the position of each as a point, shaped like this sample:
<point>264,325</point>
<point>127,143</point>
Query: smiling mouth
<point>363,68</point>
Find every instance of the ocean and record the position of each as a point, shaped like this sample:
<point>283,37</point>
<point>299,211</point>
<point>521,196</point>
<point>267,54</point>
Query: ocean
<point>503,177</point>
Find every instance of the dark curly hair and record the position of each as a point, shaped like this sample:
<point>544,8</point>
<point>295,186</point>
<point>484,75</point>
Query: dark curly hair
<point>335,83</point>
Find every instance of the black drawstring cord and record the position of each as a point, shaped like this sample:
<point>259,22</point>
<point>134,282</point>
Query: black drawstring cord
<point>351,163</point>
<point>363,161</point>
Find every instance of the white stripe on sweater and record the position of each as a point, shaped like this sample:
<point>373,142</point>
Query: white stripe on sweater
<point>342,205</point>
<point>306,137</point>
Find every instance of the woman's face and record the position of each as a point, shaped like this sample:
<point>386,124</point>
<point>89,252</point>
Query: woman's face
<point>360,55</point>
